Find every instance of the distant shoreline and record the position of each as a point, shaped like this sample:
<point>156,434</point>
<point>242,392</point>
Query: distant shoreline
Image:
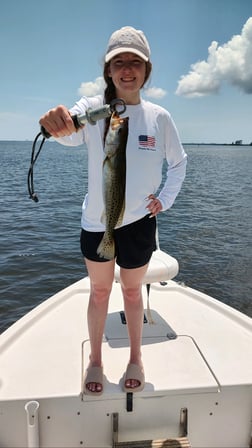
<point>218,144</point>
<point>184,143</point>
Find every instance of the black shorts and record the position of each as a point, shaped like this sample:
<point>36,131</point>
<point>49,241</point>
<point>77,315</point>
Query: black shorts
<point>134,243</point>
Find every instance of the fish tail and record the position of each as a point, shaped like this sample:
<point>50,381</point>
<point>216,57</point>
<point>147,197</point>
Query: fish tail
<point>106,248</point>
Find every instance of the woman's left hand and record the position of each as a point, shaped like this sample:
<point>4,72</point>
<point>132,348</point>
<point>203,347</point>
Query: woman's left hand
<point>154,206</point>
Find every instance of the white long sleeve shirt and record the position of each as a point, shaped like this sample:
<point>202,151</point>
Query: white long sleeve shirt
<point>152,138</point>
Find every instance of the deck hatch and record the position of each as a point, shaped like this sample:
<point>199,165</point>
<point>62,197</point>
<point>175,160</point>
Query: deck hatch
<point>116,329</point>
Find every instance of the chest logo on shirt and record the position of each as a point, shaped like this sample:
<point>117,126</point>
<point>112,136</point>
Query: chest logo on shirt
<point>147,142</point>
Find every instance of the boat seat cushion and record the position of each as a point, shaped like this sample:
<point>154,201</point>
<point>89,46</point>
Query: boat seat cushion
<point>162,267</point>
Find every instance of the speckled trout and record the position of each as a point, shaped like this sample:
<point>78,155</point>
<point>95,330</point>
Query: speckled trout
<point>114,182</point>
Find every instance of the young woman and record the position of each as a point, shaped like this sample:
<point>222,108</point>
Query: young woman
<point>152,137</point>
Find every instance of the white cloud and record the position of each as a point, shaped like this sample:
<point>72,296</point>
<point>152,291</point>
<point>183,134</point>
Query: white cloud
<point>92,88</point>
<point>230,62</point>
<point>155,92</point>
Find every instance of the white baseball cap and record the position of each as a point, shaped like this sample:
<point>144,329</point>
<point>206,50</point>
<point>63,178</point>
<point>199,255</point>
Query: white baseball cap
<point>128,39</point>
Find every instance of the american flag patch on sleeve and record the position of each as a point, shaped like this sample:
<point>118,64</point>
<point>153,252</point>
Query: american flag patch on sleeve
<point>146,141</point>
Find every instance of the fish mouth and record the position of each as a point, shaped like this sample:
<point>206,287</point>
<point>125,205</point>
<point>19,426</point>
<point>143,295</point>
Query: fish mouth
<point>116,121</point>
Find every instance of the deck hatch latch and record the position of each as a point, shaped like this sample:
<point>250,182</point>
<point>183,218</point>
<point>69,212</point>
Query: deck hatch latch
<point>129,401</point>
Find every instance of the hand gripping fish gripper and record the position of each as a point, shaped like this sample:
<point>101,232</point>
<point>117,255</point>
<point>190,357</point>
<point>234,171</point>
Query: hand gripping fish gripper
<point>91,116</point>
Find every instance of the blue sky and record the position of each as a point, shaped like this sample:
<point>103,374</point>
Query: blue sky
<point>52,52</point>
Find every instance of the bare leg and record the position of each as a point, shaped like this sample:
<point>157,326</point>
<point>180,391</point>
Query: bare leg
<point>101,278</point>
<point>131,283</point>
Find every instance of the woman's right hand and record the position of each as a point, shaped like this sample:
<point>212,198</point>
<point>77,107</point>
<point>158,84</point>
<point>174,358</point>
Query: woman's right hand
<point>58,122</point>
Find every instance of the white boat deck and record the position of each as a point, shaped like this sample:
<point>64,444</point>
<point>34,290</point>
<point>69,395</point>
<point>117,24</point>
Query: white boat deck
<point>46,352</point>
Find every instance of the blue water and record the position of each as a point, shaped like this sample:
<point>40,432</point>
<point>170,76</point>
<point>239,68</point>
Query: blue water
<point>208,229</point>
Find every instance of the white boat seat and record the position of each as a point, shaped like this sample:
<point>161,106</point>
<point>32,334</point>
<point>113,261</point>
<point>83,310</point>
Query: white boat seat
<point>162,267</point>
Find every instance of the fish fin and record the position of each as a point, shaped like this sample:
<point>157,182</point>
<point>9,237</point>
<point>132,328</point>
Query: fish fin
<point>106,248</point>
<point>120,219</point>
